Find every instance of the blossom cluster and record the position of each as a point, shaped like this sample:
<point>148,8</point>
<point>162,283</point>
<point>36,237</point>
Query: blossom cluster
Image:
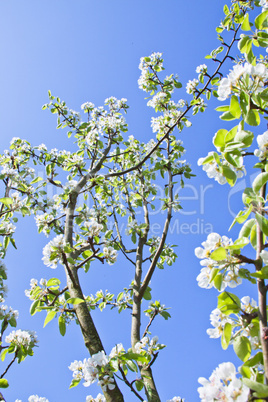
<point>34,398</point>
<point>52,252</point>
<point>7,312</point>
<point>239,324</point>
<point>154,61</point>
<point>235,80</point>
<point>262,151</point>
<point>215,172</point>
<point>110,254</point>
<point>95,368</point>
<point>148,346</point>
<point>223,385</point>
<point>93,227</point>
<point>22,338</point>
<point>227,268</point>
<point>99,398</point>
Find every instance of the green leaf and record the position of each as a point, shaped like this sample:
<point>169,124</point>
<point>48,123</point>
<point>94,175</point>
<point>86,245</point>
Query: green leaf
<point>242,347</point>
<point>62,325</point>
<point>249,197</point>
<point>132,366</point>
<point>147,294</point>
<point>235,107</point>
<point>264,95</point>
<point>226,335</point>
<point>6,200</point>
<point>53,282</point>
<point>219,254</point>
<point>224,108</point>
<point>229,174</point>
<point>3,354</point>
<point>259,182</point>
<point>252,118</point>
<point>218,281</point>
<point>12,322</point>
<point>256,386</point>
<point>4,383</point>
<point>261,20</point>
<point>228,303</point>
<point>241,216</point>
<point>261,274</point>
<point>6,241</point>
<point>134,356</point>
<point>33,307</point>
<point>36,180</point>
<point>257,359</point>
<point>245,43</point>
<point>75,300</point>
<point>139,385</point>
<point>246,137</point>
<point>239,243</point>
<point>246,25</point>
<point>231,134</point>
<point>219,139</point>
<point>74,383</point>
<point>227,116</point>
<point>50,315</point>
<point>263,223</point>
<point>253,236</point>
<point>262,38</point>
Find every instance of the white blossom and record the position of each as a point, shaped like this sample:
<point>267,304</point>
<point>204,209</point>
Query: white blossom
<point>264,256</point>
<point>36,398</point>
<point>218,320</point>
<point>106,382</point>
<point>54,246</point>
<point>22,338</point>
<point>110,254</point>
<point>262,141</point>
<point>264,5</point>
<point>93,227</point>
<point>157,100</point>
<point>258,74</point>
<point>223,385</point>
<point>201,69</point>
<point>191,86</point>
<point>99,398</point>
<point>116,350</point>
<point>87,106</point>
<point>228,267</point>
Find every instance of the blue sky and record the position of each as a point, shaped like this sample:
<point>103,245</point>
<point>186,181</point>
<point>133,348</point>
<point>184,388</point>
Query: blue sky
<point>88,50</point>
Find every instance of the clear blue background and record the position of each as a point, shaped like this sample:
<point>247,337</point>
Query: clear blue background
<point>88,50</point>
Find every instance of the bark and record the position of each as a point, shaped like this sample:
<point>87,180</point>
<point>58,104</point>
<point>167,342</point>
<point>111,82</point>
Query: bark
<point>262,294</point>
<point>90,334</point>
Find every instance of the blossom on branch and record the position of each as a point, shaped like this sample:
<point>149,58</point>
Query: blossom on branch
<point>53,251</point>
<point>223,385</point>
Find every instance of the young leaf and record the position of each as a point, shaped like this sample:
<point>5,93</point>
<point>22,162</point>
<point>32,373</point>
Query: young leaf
<point>50,315</point>
<point>242,347</point>
<point>235,107</point>
<point>256,386</point>
<point>219,254</point>
<point>3,383</point>
<point>228,303</point>
<point>253,118</point>
<point>259,182</point>
<point>62,325</point>
<point>263,223</point>
<point>6,200</point>
<point>226,335</point>
<point>261,20</point>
